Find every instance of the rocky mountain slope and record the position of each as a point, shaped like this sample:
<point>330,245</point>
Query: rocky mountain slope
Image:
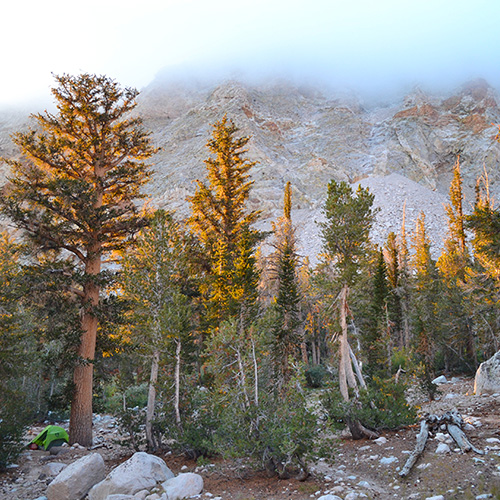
<point>403,150</point>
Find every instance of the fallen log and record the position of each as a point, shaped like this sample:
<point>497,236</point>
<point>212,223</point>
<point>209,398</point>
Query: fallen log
<point>453,423</point>
<point>419,448</point>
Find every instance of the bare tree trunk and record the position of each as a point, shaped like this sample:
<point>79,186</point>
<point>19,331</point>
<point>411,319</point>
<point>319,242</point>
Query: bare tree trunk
<point>357,369</point>
<point>255,375</point>
<point>303,350</point>
<point>150,408</point>
<point>313,351</point>
<point>178,346</point>
<point>242,377</point>
<point>346,374</point>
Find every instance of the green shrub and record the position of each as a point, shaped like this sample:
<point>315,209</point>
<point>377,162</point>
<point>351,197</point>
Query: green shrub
<point>131,423</point>
<point>14,418</point>
<point>315,376</point>
<point>200,421</point>
<point>382,406</point>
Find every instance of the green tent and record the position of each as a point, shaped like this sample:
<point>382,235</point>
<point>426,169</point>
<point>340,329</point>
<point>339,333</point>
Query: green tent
<point>52,435</point>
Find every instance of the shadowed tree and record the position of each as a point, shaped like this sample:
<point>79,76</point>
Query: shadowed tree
<point>286,337</point>
<point>73,192</point>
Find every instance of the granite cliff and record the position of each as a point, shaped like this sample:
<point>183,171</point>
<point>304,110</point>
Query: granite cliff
<point>403,150</point>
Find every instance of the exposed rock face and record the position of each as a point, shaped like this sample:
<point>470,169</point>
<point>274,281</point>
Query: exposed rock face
<point>488,376</point>
<point>74,482</point>
<point>140,472</point>
<point>309,136</point>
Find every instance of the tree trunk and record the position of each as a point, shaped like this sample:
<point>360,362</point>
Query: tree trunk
<point>178,346</point>
<point>80,425</point>
<point>346,374</point>
<point>150,408</point>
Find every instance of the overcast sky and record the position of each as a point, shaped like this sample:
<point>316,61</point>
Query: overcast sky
<point>374,44</point>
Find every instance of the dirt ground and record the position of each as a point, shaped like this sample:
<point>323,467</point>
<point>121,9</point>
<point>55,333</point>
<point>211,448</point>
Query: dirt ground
<point>361,469</point>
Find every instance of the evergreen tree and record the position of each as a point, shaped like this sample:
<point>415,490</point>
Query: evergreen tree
<point>454,259</point>
<point>425,321</point>
<point>345,233</point>
<point>395,281</point>
<point>221,222</point>
<point>73,192</point>
<point>459,346</point>
<point>483,275</point>
<point>155,281</point>
<point>377,334</point>
<point>286,338</point>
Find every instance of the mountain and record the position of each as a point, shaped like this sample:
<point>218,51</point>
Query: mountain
<point>403,149</point>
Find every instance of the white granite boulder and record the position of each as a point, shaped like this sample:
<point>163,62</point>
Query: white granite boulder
<point>183,486</point>
<point>75,480</point>
<point>141,471</point>
<point>487,379</point>
<point>53,468</point>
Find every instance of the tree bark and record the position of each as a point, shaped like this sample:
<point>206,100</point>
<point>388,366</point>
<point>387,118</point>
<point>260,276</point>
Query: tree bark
<point>150,408</point>
<point>346,374</point>
<point>80,427</point>
<point>178,346</point>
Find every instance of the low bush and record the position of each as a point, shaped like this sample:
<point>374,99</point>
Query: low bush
<point>315,376</point>
<point>382,406</point>
<point>14,418</point>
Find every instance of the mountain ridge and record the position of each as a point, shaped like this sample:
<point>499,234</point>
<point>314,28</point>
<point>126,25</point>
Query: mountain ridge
<point>309,135</point>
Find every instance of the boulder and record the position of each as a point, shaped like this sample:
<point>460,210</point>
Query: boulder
<point>443,448</point>
<point>487,379</point>
<point>440,380</point>
<point>141,471</point>
<point>183,486</point>
<point>53,468</point>
<point>74,482</point>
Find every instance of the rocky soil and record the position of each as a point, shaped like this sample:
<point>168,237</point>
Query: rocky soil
<point>361,469</point>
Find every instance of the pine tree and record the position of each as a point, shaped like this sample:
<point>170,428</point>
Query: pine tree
<point>221,222</point>
<point>395,281</point>
<point>377,335</point>
<point>286,338</point>
<point>425,322</point>
<point>454,259</point>
<point>73,192</point>
<point>452,264</point>
<point>155,281</point>
<point>484,273</point>
<point>346,241</point>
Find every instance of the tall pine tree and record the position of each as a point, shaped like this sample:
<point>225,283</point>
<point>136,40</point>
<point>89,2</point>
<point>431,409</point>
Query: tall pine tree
<point>223,224</point>
<point>286,337</point>
<point>74,192</point>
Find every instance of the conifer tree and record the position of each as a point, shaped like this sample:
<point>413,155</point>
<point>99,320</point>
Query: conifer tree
<point>452,264</point>
<point>155,281</point>
<point>484,274</point>
<point>425,301</point>
<point>376,338</point>
<point>454,259</point>
<point>73,192</point>
<point>395,281</point>
<point>346,241</point>
<point>286,338</point>
<point>224,226</point>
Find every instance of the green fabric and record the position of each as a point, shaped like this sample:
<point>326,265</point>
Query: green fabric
<point>49,436</point>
